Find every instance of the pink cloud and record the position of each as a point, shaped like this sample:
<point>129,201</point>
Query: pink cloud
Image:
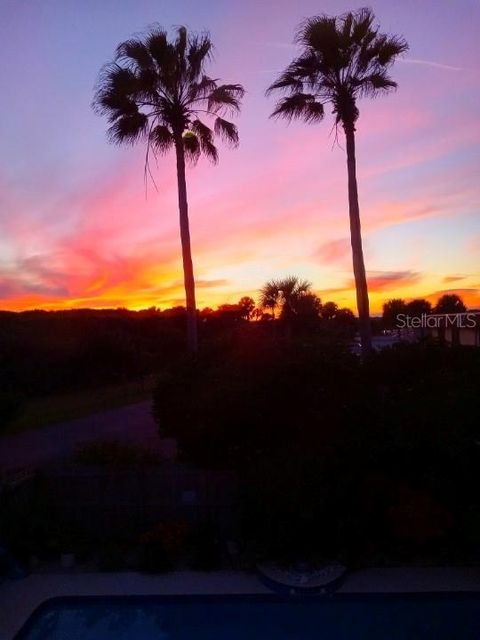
<point>379,281</point>
<point>334,251</point>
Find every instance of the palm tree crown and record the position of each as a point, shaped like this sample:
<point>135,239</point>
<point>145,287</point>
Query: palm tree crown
<point>286,292</point>
<point>156,91</point>
<point>343,58</point>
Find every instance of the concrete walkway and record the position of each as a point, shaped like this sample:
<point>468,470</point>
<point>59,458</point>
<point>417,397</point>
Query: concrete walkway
<point>133,423</point>
<point>19,598</point>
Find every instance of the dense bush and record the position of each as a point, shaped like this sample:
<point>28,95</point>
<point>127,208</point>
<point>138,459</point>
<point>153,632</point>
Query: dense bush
<point>336,456</point>
<point>235,403</point>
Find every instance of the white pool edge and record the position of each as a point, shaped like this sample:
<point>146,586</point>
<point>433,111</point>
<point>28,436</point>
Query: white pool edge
<point>19,598</point>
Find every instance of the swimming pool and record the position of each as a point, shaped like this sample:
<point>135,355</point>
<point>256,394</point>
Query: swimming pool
<point>339,617</point>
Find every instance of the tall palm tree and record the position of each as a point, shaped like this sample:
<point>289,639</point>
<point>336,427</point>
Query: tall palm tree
<point>342,59</point>
<point>156,91</point>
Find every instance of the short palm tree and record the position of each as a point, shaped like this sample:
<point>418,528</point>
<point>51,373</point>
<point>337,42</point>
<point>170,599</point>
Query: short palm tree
<point>343,58</point>
<point>285,293</point>
<point>155,92</point>
<point>292,289</point>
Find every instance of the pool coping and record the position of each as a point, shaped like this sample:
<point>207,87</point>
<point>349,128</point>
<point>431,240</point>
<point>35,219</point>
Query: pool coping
<point>19,598</point>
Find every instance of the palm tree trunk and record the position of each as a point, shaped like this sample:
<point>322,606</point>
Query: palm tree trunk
<point>361,286</point>
<point>192,333</point>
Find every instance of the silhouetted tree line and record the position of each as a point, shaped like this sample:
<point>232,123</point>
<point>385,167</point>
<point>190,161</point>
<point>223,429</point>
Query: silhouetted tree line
<point>50,352</point>
<point>448,303</point>
<point>43,353</point>
<point>370,461</point>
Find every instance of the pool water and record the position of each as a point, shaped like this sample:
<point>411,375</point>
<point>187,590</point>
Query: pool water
<point>337,617</point>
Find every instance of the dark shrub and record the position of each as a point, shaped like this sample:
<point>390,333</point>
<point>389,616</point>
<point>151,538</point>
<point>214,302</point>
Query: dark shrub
<point>230,408</point>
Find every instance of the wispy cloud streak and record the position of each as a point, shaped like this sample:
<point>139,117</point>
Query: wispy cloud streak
<point>430,63</point>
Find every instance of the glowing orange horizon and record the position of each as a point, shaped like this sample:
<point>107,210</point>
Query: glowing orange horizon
<point>128,300</point>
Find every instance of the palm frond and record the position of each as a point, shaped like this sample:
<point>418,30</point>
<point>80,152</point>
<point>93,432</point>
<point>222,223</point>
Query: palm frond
<point>226,130</point>
<point>346,31</point>
<point>210,150</point>
<point>362,26</point>
<point>180,48</point>
<point>299,105</point>
<point>160,49</point>
<point>200,90</point>
<point>147,85</point>
<point>269,295</point>
<point>288,80</point>
<point>225,97</point>
<point>304,71</point>
<point>205,136</point>
<point>128,129</point>
<point>291,286</point>
<point>114,105</point>
<point>134,51</point>
<point>303,286</point>
<point>114,85</point>
<point>286,292</point>
<point>161,138</point>
<point>375,84</point>
<point>320,35</point>
<point>392,47</point>
<point>181,41</point>
<point>202,130</point>
<point>199,51</point>
<point>115,94</point>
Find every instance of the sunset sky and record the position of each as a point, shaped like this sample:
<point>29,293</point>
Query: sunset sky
<point>76,229</point>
